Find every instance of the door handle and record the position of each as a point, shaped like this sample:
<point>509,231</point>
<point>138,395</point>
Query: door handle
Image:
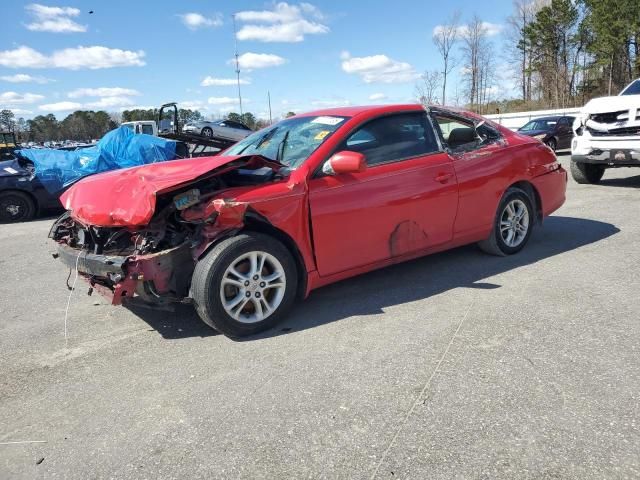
<point>443,177</point>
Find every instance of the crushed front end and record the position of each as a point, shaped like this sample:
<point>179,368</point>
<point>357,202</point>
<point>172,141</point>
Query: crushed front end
<point>607,132</point>
<point>146,240</point>
<point>153,263</point>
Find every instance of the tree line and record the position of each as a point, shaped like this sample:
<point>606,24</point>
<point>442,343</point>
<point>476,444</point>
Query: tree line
<point>561,52</point>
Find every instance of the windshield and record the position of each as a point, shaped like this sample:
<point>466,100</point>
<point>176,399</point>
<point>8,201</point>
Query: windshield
<point>290,141</point>
<point>539,125</point>
<point>633,89</point>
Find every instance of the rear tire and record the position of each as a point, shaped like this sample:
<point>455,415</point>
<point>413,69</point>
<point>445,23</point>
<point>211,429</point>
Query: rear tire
<point>245,284</point>
<point>207,132</point>
<point>512,226</point>
<point>586,173</point>
<point>16,206</point>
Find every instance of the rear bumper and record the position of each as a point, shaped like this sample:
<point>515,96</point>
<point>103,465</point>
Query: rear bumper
<point>552,188</point>
<point>168,273</point>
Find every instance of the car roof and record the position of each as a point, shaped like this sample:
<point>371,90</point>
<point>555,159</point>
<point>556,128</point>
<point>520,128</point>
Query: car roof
<point>547,118</point>
<point>370,109</point>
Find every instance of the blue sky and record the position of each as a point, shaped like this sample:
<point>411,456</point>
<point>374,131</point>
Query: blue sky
<point>56,57</point>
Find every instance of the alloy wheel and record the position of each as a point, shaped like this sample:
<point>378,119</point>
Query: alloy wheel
<point>253,287</point>
<point>514,223</point>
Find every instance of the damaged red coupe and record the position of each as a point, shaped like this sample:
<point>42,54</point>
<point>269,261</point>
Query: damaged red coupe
<point>311,200</point>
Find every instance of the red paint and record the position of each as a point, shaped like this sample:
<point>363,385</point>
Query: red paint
<point>348,162</point>
<point>128,197</point>
<point>350,223</point>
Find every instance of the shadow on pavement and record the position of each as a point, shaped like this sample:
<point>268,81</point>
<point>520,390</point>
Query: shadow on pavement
<point>369,294</point>
<point>465,267</point>
<point>181,321</point>
<point>627,182</point>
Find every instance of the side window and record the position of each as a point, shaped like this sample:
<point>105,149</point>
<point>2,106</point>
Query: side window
<point>461,135</point>
<point>393,138</point>
<point>563,122</point>
<point>147,129</point>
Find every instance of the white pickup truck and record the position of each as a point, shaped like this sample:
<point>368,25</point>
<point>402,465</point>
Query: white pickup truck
<point>147,127</point>
<point>606,135</point>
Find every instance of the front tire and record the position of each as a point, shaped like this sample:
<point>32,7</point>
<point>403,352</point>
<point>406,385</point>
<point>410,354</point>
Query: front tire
<point>512,226</point>
<point>245,284</point>
<point>16,206</point>
<point>207,132</point>
<point>586,173</point>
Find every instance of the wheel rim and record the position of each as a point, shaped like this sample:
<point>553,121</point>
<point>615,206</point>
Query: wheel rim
<point>514,223</point>
<point>207,132</point>
<point>12,208</point>
<point>252,287</point>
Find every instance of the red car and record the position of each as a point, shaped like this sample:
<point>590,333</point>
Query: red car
<point>311,200</point>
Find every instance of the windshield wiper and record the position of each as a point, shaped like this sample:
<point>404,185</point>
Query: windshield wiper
<point>281,147</point>
<point>262,139</point>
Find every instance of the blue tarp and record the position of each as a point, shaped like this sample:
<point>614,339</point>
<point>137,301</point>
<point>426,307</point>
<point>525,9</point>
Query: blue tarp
<point>120,148</point>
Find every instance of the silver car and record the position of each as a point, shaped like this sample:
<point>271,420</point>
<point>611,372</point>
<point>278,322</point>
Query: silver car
<point>224,129</point>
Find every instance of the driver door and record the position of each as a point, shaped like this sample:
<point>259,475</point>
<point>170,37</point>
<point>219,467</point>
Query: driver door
<point>405,200</point>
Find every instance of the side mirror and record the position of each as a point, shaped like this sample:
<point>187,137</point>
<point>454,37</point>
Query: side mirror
<point>345,162</point>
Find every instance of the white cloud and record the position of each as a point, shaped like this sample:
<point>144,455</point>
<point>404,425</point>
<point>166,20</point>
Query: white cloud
<point>110,102</point>
<point>378,69</point>
<point>377,96</point>
<point>222,82</point>
<point>103,92</point>
<point>60,106</point>
<point>334,102</point>
<point>13,98</point>
<point>223,101</point>
<point>24,78</point>
<point>285,23</point>
<point>250,61</point>
<point>93,58</point>
<point>54,19</point>
<point>193,105</point>
<point>194,21</point>
<point>21,111</point>
<point>490,29</point>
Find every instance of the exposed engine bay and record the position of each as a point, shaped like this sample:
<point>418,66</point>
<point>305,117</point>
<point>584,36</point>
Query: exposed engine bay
<point>141,259</point>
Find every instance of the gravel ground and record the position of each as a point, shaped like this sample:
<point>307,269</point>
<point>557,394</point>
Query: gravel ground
<point>457,365</point>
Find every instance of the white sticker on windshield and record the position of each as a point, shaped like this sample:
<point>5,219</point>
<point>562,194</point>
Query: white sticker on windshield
<point>327,120</point>
<point>10,170</point>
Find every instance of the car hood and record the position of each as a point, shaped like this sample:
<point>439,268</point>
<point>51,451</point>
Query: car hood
<point>612,104</point>
<point>13,168</point>
<point>127,197</point>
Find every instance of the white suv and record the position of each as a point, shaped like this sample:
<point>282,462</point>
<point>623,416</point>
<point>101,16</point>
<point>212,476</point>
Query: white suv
<point>606,135</point>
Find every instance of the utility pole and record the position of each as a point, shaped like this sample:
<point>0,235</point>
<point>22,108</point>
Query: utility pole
<point>269,98</point>
<point>235,38</point>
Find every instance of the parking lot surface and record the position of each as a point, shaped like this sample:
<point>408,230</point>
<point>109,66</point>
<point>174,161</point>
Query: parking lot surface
<point>457,365</point>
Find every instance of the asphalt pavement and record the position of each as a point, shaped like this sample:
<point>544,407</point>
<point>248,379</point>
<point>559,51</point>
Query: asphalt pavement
<point>458,365</point>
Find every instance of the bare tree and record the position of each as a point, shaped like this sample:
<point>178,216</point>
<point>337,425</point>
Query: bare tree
<point>519,50</point>
<point>445,37</point>
<point>427,87</point>
<point>478,62</point>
